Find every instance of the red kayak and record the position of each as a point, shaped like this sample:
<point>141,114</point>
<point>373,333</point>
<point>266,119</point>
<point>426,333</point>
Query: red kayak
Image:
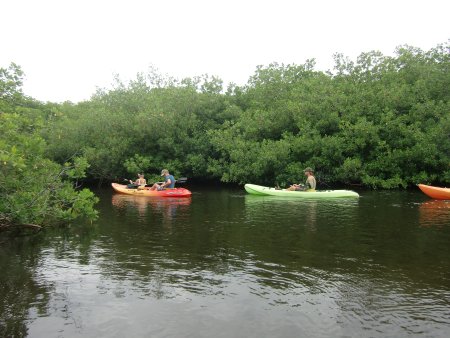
<point>435,192</point>
<point>175,192</point>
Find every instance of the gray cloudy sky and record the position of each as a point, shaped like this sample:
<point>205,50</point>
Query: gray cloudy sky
<point>67,48</point>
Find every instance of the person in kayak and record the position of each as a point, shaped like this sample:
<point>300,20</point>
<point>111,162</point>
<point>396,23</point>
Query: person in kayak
<point>310,184</point>
<point>169,181</point>
<point>139,183</point>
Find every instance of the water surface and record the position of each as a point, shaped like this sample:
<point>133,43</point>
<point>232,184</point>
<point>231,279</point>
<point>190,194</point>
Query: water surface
<point>227,264</point>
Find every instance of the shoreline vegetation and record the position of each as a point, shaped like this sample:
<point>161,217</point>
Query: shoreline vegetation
<point>378,122</point>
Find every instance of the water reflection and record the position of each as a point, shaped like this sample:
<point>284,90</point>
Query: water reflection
<point>435,213</point>
<point>165,206</point>
<point>235,265</point>
<point>297,211</point>
<point>22,295</point>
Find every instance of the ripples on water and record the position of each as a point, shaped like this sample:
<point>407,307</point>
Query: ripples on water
<point>226,264</point>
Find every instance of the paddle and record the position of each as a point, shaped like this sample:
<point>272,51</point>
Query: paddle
<point>129,181</point>
<point>130,184</point>
<point>181,180</point>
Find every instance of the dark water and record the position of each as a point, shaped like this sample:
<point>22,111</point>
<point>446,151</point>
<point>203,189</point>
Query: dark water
<point>227,264</point>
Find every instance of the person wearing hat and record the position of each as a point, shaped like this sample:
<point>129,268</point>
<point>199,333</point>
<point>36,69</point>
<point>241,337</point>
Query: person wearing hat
<point>169,181</point>
<point>310,184</point>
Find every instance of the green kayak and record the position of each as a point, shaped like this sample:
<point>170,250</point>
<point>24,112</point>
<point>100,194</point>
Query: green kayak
<point>267,191</point>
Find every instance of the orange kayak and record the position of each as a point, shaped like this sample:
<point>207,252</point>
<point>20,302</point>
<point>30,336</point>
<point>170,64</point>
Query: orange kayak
<point>435,192</point>
<point>175,192</point>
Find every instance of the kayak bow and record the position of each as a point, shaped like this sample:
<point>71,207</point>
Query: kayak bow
<point>435,192</point>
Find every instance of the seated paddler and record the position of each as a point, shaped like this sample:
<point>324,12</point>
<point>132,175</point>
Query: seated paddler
<point>310,184</point>
<point>169,181</point>
<point>139,183</point>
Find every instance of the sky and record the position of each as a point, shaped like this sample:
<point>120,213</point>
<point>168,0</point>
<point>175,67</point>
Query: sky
<point>69,48</point>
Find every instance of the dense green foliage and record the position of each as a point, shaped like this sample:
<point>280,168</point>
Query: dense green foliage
<point>381,122</point>
<point>34,190</point>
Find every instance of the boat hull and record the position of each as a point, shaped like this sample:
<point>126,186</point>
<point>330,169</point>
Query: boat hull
<point>176,192</point>
<point>267,191</point>
<point>435,192</point>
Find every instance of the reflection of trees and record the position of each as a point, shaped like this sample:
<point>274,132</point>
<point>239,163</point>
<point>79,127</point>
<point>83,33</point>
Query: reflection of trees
<point>281,208</point>
<point>379,230</point>
<point>20,293</point>
<point>271,243</point>
<point>280,250</point>
<point>156,258</point>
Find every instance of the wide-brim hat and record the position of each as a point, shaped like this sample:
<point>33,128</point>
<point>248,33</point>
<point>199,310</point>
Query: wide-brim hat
<point>164,171</point>
<point>308,170</point>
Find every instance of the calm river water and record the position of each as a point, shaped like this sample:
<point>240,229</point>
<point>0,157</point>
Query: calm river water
<point>227,264</point>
